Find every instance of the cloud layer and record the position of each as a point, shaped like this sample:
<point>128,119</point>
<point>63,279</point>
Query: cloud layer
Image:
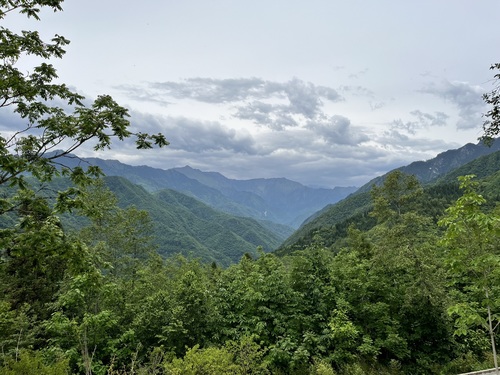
<point>314,134</point>
<point>293,129</point>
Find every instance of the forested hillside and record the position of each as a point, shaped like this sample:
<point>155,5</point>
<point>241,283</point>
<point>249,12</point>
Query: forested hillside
<point>179,224</point>
<point>431,170</point>
<point>184,225</point>
<point>438,193</point>
<point>400,297</point>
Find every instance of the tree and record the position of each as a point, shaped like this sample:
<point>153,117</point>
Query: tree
<point>54,117</point>
<point>42,267</point>
<point>394,196</point>
<point>124,236</point>
<point>473,253</point>
<point>491,125</point>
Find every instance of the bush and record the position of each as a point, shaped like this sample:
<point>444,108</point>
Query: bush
<point>33,363</point>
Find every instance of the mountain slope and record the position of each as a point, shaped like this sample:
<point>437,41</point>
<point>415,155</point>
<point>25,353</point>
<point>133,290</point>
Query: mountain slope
<point>276,199</point>
<point>481,167</point>
<point>441,184</point>
<point>432,169</point>
<point>185,225</point>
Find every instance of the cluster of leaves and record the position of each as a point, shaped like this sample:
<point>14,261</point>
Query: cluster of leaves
<point>491,125</point>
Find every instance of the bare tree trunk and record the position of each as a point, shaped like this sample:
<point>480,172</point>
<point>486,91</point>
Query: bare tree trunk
<point>492,336</point>
<point>87,358</point>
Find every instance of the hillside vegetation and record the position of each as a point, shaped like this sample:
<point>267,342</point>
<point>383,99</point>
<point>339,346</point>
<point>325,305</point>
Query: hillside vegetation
<point>398,289</point>
<point>181,224</point>
<point>439,192</point>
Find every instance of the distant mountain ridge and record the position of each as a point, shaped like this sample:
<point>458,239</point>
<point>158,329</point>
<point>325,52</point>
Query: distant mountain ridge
<point>273,201</point>
<point>432,169</point>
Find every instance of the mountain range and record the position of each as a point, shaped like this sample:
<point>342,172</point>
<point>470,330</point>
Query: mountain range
<point>184,225</point>
<point>212,217</point>
<point>271,201</point>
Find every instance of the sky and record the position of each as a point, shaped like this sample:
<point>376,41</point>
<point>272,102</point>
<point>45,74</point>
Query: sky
<point>326,93</point>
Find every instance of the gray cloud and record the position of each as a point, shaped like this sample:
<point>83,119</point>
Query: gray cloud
<point>421,120</point>
<point>211,90</point>
<point>267,103</point>
<point>142,94</point>
<point>305,98</point>
<point>276,117</point>
<point>426,119</point>
<point>300,154</point>
<point>201,136</point>
<point>196,136</point>
<point>327,152</point>
<point>337,130</point>
<point>466,97</point>
<point>412,148</point>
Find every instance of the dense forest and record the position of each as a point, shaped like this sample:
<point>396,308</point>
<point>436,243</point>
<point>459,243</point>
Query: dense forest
<point>406,296</point>
<point>407,284</point>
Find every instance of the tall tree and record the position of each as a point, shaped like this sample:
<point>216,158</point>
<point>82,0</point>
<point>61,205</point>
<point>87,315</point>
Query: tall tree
<point>395,196</point>
<point>473,253</point>
<point>40,264</point>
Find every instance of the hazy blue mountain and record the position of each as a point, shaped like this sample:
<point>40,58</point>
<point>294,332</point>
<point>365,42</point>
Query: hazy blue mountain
<point>276,199</point>
<point>271,201</point>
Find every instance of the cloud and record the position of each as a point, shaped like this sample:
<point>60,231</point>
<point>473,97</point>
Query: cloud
<point>142,94</point>
<point>195,136</point>
<point>277,105</point>
<point>337,130</point>
<point>466,97</point>
<point>412,148</point>
<point>252,128</point>
<point>276,117</point>
<point>328,151</point>
<point>300,153</point>
<point>211,90</point>
<point>357,91</point>
<point>421,120</point>
<point>427,120</point>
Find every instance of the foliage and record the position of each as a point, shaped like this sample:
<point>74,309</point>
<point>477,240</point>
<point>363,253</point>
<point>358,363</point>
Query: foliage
<point>379,304</point>
<point>395,196</point>
<point>33,363</point>
<point>473,255</point>
<point>491,125</point>
<point>210,361</point>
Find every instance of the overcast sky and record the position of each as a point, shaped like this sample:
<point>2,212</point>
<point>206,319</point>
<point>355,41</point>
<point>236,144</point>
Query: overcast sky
<point>326,93</point>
